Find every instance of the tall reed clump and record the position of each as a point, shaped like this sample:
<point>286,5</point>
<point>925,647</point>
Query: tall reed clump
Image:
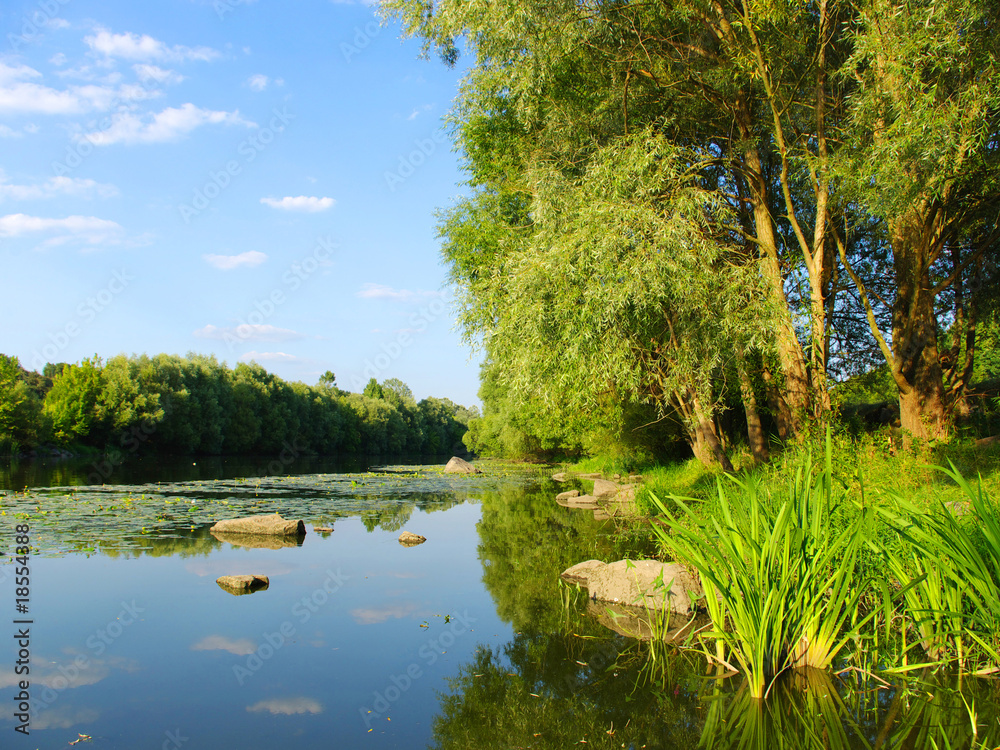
<point>950,576</point>
<point>780,577</point>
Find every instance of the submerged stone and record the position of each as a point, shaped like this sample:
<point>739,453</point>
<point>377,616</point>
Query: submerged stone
<point>267,524</point>
<point>409,539</point>
<point>644,624</point>
<point>243,584</point>
<point>258,541</point>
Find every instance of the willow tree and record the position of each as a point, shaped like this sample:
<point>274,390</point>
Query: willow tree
<point>746,88</point>
<point>923,157</point>
<point>808,123</point>
<point>618,288</point>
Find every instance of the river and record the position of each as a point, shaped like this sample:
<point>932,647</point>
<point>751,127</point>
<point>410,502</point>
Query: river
<point>468,640</point>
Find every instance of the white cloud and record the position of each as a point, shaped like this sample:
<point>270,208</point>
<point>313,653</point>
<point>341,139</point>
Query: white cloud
<point>19,94</point>
<point>74,186</point>
<point>65,717</point>
<point>288,706</point>
<point>32,97</point>
<point>239,647</point>
<point>247,332</point>
<point>129,46</point>
<point>375,615</point>
<point>9,73</point>
<point>58,59</point>
<point>147,72</point>
<point>7,132</point>
<point>168,125</point>
<point>258,82</point>
<point>88,230</point>
<point>309,204</point>
<point>381,291</point>
<point>229,262</point>
<point>269,357</point>
<point>57,23</point>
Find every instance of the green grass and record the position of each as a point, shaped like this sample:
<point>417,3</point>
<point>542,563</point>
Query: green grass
<point>780,574</point>
<point>950,574</point>
<point>875,556</point>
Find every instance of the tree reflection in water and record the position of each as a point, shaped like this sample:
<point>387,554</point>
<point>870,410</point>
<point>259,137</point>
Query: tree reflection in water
<point>564,679</point>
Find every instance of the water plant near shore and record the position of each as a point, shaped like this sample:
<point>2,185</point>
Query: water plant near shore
<point>950,577</point>
<point>781,578</point>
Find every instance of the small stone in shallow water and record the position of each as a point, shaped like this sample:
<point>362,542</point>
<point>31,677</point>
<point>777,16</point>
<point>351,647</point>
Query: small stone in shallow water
<point>243,584</point>
<point>409,539</point>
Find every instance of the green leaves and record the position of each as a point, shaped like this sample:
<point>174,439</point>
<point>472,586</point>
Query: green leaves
<point>950,577</point>
<point>780,578</point>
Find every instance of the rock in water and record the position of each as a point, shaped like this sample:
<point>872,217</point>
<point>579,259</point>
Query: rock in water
<point>604,488</point>
<point>581,572</point>
<point>583,502</point>
<point>650,584</point>
<point>647,583</point>
<point>408,539</point>
<point>239,585</point>
<point>460,466</point>
<point>567,495</point>
<point>559,477</point>
<point>272,524</point>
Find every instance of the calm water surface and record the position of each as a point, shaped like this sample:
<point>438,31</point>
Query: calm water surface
<point>466,641</point>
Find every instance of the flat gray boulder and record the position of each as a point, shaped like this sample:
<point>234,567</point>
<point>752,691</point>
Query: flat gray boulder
<point>409,539</point>
<point>604,488</point>
<point>581,572</point>
<point>559,476</point>
<point>458,465</point>
<point>239,585</point>
<point>263,525</point>
<point>650,584</point>
<point>567,495</point>
<point>583,502</point>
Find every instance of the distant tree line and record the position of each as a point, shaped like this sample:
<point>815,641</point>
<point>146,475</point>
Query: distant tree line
<point>195,405</point>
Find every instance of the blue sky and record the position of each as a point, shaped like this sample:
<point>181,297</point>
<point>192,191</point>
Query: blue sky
<point>255,180</point>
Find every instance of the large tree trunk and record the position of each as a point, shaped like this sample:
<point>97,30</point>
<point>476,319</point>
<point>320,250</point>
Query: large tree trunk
<point>755,432</point>
<point>790,355</point>
<point>917,364</point>
<point>776,403</point>
<point>702,436</point>
<point>707,439</point>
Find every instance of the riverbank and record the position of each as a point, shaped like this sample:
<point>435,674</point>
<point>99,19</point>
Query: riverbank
<point>876,463</point>
<point>849,552</point>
